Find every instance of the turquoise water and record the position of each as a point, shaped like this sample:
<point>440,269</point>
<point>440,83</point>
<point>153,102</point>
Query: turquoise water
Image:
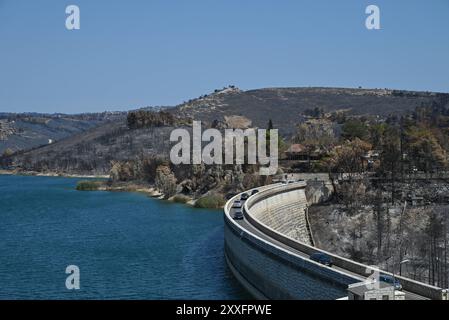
<point>126,245</point>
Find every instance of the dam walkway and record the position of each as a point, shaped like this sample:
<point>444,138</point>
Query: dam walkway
<point>274,235</point>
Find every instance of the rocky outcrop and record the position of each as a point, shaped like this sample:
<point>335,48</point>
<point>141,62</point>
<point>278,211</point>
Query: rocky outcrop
<point>193,181</point>
<point>199,179</point>
<point>319,185</point>
<point>165,181</point>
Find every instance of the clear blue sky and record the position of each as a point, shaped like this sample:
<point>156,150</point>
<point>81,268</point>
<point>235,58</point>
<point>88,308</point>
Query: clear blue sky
<point>133,53</point>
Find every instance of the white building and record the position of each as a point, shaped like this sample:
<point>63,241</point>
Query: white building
<point>371,291</point>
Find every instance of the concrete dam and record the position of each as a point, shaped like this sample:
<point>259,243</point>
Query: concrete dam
<point>268,251</point>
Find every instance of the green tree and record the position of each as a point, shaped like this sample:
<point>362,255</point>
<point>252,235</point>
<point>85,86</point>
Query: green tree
<point>424,150</point>
<point>376,134</point>
<point>355,129</point>
<point>348,158</point>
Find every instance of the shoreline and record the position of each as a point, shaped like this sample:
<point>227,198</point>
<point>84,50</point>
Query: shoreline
<point>148,190</point>
<point>144,188</point>
<point>51,174</point>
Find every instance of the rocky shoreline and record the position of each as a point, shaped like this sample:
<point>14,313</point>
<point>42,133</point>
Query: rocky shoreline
<point>148,190</point>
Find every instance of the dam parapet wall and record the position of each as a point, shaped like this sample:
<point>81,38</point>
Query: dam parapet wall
<point>269,251</point>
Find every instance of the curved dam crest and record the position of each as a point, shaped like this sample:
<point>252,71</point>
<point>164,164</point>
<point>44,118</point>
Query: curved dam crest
<point>265,267</point>
<point>268,251</point>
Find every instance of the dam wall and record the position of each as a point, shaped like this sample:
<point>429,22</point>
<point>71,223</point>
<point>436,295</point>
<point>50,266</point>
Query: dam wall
<point>284,212</point>
<point>269,251</point>
<point>269,270</point>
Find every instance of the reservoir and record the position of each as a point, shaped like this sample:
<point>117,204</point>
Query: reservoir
<point>126,245</point>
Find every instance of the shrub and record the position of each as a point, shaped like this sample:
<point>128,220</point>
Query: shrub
<point>212,201</point>
<point>179,198</point>
<point>87,185</point>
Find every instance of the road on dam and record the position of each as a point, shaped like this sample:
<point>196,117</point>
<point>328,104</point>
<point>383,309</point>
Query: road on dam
<point>246,225</point>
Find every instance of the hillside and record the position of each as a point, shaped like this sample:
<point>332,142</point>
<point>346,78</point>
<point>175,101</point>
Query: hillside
<point>93,150</point>
<point>30,130</point>
<point>285,106</point>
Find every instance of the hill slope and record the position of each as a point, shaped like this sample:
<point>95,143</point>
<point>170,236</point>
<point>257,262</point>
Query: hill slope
<point>285,106</point>
<point>30,130</point>
<point>94,150</point>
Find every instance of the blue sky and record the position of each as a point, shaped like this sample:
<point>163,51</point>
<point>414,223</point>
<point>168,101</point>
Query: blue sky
<point>133,53</point>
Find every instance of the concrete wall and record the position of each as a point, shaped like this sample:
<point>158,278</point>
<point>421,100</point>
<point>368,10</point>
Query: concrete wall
<point>285,213</point>
<point>271,272</point>
<point>267,267</point>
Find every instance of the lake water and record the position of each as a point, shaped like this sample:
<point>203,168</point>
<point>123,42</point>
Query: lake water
<point>126,245</point>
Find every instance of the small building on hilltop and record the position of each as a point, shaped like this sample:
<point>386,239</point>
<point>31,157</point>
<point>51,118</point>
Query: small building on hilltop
<point>303,153</point>
<point>296,152</point>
